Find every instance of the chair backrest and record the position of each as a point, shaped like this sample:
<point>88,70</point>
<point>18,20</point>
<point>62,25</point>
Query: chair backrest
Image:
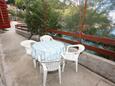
<point>52,65</point>
<point>78,48</point>
<point>46,38</point>
<point>27,45</point>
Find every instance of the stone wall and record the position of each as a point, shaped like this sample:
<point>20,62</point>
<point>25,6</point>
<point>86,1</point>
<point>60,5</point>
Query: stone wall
<point>99,65</point>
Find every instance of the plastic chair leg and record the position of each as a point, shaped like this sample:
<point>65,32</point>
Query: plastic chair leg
<point>59,70</point>
<point>63,65</point>
<point>44,77</point>
<point>76,65</point>
<point>34,61</point>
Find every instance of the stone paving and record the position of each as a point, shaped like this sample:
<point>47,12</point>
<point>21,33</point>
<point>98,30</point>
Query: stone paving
<point>2,77</point>
<point>17,68</point>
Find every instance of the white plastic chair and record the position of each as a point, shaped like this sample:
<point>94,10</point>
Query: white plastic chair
<point>48,67</point>
<point>72,53</point>
<point>46,38</point>
<point>27,45</point>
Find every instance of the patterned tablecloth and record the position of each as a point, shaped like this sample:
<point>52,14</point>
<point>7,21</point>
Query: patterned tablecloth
<point>47,50</point>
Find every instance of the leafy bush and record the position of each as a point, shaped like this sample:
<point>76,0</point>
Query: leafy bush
<point>34,16</point>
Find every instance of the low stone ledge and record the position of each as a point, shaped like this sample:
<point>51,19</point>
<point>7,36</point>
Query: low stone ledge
<point>27,34</point>
<point>99,65</point>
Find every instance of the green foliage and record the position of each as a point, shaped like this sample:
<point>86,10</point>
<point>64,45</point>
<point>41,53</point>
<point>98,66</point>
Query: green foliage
<point>12,12</point>
<point>60,14</point>
<point>10,1</point>
<point>96,20</point>
<point>20,4</point>
<point>53,19</point>
<point>21,14</point>
<point>55,4</point>
<point>71,18</point>
<point>34,15</point>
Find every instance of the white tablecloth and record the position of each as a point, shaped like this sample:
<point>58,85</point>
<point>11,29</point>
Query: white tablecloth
<point>47,50</point>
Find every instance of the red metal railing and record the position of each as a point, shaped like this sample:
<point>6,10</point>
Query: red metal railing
<point>96,39</point>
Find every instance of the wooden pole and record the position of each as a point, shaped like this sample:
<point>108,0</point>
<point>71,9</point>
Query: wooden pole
<point>83,16</point>
<point>85,11</point>
<point>82,19</point>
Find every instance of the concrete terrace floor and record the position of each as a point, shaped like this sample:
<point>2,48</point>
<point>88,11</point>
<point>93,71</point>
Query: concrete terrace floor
<point>18,68</point>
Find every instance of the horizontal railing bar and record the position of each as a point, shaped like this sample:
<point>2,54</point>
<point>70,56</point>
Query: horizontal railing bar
<point>98,50</point>
<point>63,32</point>
<point>99,39</point>
<point>86,37</point>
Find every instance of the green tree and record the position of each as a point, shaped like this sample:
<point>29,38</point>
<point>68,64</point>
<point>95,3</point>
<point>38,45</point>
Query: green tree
<point>96,19</point>
<point>37,17</point>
